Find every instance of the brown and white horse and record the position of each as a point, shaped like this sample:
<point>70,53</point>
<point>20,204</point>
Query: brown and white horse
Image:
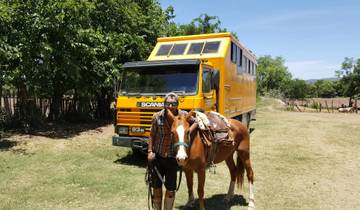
<point>192,156</point>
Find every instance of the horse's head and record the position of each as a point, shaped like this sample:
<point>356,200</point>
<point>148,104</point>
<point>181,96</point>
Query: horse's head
<point>180,130</point>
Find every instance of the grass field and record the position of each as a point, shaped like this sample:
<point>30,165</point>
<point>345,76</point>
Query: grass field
<point>300,161</point>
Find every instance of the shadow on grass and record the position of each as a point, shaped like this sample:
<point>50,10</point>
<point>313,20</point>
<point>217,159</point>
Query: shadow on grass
<point>61,130</point>
<point>7,144</point>
<point>10,145</point>
<point>216,202</point>
<point>132,159</point>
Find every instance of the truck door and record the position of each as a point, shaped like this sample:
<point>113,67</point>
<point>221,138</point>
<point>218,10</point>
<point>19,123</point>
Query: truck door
<point>208,92</point>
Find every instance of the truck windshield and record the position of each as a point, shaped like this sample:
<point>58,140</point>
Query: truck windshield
<point>160,80</point>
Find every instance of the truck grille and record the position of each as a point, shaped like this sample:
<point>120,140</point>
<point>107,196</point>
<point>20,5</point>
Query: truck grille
<point>136,117</point>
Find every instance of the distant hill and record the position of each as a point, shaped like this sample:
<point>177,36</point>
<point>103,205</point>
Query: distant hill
<point>312,81</point>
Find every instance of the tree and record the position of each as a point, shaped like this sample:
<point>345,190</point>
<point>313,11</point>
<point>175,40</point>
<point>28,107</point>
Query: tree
<point>350,78</point>
<point>52,48</point>
<point>272,75</point>
<point>325,89</point>
<point>296,89</point>
<point>202,25</point>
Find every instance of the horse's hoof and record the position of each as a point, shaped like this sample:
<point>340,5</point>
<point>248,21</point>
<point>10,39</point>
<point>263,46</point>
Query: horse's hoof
<point>251,205</point>
<point>190,203</point>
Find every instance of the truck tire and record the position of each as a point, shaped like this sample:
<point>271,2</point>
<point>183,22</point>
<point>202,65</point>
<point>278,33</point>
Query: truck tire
<point>245,119</point>
<point>137,152</point>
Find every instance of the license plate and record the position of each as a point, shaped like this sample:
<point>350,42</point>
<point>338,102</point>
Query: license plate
<point>123,130</point>
<point>137,130</point>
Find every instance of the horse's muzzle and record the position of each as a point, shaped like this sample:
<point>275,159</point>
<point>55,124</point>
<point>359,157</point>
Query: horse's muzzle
<point>181,161</point>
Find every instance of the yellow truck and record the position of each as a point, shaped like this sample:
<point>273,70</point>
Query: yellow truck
<point>212,72</point>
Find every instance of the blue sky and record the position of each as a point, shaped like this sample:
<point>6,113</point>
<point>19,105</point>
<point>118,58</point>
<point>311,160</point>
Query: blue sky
<point>313,36</point>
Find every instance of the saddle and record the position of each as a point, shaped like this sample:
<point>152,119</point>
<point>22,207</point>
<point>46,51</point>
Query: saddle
<point>214,128</point>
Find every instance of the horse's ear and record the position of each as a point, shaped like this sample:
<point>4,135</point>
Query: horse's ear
<point>190,116</point>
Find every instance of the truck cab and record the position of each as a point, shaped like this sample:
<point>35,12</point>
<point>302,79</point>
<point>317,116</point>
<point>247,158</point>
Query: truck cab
<point>142,92</point>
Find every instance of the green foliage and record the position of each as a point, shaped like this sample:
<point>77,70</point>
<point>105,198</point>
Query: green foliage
<point>27,115</point>
<point>350,77</point>
<point>315,105</point>
<point>272,75</point>
<point>50,48</point>
<point>296,89</point>
<point>202,25</point>
<point>4,119</point>
<point>324,89</point>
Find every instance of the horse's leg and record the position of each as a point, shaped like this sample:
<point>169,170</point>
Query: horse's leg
<point>201,183</point>
<point>189,182</point>
<point>232,169</point>
<point>245,157</point>
<point>250,176</point>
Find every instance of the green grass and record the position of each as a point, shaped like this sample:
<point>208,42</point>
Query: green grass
<point>300,161</point>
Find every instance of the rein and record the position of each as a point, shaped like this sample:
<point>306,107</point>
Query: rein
<point>177,188</point>
<point>148,181</point>
<point>186,146</point>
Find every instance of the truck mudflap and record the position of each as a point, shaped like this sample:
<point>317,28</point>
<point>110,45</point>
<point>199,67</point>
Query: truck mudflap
<point>136,143</point>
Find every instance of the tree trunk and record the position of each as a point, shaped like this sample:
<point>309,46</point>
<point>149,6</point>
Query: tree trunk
<point>21,101</point>
<point>350,101</point>
<point>103,105</point>
<point>1,95</point>
<point>55,105</point>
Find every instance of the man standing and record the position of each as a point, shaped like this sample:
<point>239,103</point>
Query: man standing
<point>162,153</point>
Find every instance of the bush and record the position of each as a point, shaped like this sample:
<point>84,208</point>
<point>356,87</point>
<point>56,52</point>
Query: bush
<point>290,107</point>
<point>28,115</point>
<point>274,93</point>
<point>4,119</point>
<point>315,105</point>
<point>78,117</point>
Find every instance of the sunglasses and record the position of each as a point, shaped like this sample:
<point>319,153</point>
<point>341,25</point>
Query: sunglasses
<point>172,104</point>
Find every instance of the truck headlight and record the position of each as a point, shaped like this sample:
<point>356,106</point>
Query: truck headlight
<point>123,130</point>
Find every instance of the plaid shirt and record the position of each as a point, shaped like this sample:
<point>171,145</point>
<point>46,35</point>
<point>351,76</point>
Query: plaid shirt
<point>160,133</point>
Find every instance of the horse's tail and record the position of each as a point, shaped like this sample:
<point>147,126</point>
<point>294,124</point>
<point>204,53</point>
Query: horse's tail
<point>240,170</point>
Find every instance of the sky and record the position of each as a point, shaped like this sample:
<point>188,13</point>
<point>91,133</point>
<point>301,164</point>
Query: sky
<point>313,36</point>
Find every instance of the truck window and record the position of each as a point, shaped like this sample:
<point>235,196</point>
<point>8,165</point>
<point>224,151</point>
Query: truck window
<point>178,49</point>
<point>206,79</point>
<point>164,49</point>
<point>211,47</point>
<point>195,48</point>
<point>161,80</point>
<point>233,52</point>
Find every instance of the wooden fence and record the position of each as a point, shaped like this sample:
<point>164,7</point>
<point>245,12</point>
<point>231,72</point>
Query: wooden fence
<point>9,101</point>
<point>324,104</point>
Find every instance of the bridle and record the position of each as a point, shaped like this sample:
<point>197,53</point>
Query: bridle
<point>186,146</point>
<point>183,143</point>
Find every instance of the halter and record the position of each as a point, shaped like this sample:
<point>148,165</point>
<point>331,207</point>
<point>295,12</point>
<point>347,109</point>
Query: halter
<point>183,143</point>
<point>186,146</point>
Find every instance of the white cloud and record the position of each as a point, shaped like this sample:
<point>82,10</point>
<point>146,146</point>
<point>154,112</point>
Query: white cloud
<point>312,69</point>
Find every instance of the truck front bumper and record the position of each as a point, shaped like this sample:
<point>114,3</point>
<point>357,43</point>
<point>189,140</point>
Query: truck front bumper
<point>138,143</point>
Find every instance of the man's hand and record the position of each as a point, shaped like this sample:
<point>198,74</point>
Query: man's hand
<point>151,156</point>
